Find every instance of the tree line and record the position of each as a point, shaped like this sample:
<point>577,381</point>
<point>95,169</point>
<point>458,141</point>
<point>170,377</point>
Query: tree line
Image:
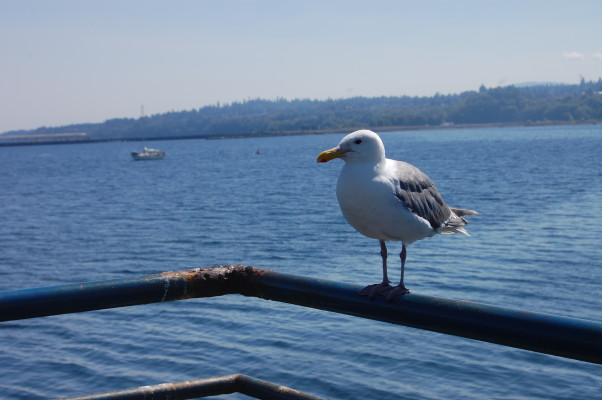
<point>542,103</point>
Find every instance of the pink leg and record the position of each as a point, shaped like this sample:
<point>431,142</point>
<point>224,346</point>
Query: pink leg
<point>400,289</point>
<point>380,288</point>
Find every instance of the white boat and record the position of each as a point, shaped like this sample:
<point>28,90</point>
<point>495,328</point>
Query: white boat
<point>148,154</point>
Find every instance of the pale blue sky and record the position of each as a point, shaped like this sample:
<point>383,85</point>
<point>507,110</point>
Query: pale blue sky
<point>73,61</point>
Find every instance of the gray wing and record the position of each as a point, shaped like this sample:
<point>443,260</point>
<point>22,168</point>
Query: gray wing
<point>420,195</point>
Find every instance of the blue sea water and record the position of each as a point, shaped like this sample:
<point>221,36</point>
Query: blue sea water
<point>74,213</point>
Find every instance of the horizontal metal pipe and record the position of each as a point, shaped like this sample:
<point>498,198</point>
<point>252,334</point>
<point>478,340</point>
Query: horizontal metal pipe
<point>544,333</point>
<point>88,296</point>
<point>214,386</point>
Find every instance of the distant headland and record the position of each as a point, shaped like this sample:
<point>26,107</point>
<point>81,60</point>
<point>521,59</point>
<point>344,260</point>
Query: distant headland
<point>535,104</point>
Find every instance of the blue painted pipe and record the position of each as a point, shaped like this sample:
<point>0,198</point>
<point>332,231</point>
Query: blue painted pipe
<point>561,336</point>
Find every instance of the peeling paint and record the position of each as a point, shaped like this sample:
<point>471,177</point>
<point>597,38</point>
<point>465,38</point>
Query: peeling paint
<point>165,289</point>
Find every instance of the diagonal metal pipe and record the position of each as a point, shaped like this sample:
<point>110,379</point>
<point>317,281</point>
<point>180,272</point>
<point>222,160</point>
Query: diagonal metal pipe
<point>545,333</point>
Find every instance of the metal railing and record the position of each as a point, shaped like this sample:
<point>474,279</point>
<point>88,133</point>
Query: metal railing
<point>544,333</point>
<point>227,384</point>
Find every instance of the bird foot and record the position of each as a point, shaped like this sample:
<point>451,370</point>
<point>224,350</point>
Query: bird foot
<point>374,290</point>
<point>396,291</point>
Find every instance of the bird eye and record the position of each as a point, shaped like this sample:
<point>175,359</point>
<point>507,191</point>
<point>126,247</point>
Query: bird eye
<point>358,141</point>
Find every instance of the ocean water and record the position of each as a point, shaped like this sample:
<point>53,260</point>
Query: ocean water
<point>74,213</point>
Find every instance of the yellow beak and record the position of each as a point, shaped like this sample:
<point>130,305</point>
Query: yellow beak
<point>331,154</point>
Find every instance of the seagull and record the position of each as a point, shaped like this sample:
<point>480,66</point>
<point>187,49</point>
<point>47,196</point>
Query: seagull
<point>389,200</point>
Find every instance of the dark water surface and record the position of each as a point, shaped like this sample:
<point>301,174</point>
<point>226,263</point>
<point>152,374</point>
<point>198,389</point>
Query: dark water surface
<point>73,213</point>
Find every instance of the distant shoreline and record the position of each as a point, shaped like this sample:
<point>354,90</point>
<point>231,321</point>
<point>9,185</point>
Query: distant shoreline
<point>60,139</point>
<point>404,128</point>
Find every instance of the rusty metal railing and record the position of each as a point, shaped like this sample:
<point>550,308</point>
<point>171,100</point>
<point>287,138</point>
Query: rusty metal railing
<point>227,384</point>
<point>556,335</point>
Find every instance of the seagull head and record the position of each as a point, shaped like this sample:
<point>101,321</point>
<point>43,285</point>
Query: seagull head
<point>362,146</point>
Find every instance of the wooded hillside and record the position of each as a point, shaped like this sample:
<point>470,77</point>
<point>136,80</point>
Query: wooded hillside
<point>545,103</point>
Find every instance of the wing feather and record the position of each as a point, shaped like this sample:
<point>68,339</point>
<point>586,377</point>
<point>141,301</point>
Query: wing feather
<point>420,195</point>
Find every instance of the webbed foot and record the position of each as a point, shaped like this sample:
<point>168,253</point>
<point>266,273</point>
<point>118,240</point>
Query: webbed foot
<point>399,290</point>
<point>374,290</point>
